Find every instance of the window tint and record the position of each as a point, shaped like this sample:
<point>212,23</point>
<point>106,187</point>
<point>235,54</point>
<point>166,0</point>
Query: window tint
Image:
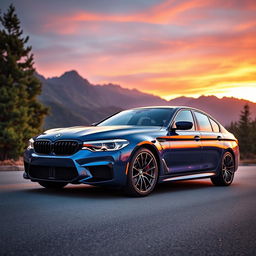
<point>185,115</point>
<point>215,126</point>
<point>140,117</point>
<point>203,122</point>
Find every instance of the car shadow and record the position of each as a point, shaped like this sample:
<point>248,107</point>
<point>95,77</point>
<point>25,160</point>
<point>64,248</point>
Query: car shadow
<point>179,186</point>
<point>87,191</point>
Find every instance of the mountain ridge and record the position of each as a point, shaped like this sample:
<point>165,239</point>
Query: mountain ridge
<point>76,101</point>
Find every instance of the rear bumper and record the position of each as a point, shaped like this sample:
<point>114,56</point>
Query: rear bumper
<point>83,167</point>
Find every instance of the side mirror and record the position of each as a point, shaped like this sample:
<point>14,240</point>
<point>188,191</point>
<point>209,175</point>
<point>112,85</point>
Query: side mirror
<point>183,125</point>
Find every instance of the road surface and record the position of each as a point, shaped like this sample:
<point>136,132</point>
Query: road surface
<point>181,218</point>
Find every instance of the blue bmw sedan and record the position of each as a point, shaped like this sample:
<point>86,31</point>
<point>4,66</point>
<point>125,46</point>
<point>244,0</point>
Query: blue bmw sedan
<point>135,150</point>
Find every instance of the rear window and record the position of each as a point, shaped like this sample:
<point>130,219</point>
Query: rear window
<point>215,126</point>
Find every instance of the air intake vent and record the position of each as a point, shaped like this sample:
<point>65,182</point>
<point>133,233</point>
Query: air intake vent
<point>61,147</point>
<point>52,173</point>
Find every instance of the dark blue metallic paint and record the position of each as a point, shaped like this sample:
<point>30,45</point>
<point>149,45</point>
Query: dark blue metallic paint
<point>178,153</point>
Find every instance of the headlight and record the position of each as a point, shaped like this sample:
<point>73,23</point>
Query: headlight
<point>105,145</point>
<point>30,144</point>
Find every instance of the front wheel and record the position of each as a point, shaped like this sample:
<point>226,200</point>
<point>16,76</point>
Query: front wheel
<point>226,172</point>
<point>52,184</point>
<point>142,174</point>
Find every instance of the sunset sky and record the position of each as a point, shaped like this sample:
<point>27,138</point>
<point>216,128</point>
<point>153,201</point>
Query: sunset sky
<point>168,48</point>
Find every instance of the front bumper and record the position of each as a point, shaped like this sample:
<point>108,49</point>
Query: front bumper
<point>85,166</point>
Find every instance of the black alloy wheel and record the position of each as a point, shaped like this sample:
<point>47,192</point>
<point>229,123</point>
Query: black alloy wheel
<point>143,173</point>
<point>226,172</point>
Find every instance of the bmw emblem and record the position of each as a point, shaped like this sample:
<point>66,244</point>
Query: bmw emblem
<point>58,135</point>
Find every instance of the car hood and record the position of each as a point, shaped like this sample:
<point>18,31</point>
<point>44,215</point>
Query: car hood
<point>96,132</point>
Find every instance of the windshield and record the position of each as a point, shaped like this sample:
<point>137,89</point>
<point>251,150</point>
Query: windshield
<point>140,117</point>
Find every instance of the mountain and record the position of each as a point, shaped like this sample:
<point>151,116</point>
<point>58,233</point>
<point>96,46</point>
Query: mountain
<point>225,110</point>
<point>75,101</point>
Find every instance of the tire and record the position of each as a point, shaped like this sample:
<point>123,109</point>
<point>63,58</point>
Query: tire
<point>52,184</point>
<point>142,174</point>
<point>226,171</point>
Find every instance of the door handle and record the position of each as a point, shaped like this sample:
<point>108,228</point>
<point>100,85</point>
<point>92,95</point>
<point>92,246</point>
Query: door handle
<point>219,138</point>
<point>197,138</point>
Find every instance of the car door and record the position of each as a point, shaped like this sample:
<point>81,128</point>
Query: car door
<point>211,142</point>
<point>184,146</point>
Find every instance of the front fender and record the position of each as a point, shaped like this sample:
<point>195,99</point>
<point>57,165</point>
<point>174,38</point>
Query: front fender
<point>153,145</point>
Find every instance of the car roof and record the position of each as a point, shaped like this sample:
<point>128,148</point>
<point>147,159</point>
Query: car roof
<point>173,107</point>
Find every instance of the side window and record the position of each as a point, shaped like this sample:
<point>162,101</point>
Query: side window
<point>185,115</point>
<point>203,122</point>
<point>215,126</point>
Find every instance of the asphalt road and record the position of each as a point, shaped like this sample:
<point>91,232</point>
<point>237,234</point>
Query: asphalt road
<point>181,218</point>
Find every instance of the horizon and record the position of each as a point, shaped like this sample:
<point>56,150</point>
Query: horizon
<point>165,48</point>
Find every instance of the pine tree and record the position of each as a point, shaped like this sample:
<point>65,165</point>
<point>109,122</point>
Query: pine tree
<point>253,138</point>
<point>244,132</point>
<point>21,115</point>
<point>233,128</point>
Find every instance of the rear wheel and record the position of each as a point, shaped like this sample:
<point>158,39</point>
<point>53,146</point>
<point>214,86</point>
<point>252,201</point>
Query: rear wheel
<point>52,185</point>
<point>226,172</point>
<point>142,174</point>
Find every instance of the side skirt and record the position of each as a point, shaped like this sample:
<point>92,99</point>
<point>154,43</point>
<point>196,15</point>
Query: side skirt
<point>187,176</point>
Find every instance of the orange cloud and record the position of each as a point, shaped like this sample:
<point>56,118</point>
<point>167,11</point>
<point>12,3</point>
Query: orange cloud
<point>170,49</point>
<point>167,12</point>
<point>162,13</point>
